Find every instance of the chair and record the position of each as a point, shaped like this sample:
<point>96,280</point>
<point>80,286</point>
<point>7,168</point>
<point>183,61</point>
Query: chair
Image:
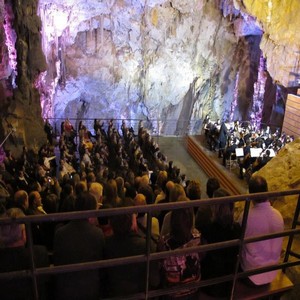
<point>232,162</point>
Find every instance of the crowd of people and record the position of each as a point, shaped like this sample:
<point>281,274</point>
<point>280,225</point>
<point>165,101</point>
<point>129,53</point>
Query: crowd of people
<point>112,168</point>
<point>252,147</point>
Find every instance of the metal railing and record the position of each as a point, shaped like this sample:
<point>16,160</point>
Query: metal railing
<point>148,257</point>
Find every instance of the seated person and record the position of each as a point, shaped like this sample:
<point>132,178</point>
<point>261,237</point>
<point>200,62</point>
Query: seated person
<point>79,241</point>
<point>220,262</point>
<point>185,268</point>
<point>261,161</point>
<point>262,219</point>
<point>204,213</point>
<point>141,219</point>
<point>14,256</point>
<point>127,279</point>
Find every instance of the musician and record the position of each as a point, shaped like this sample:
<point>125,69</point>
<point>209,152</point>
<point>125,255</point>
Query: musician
<point>261,161</point>
<point>206,125</point>
<point>214,135</point>
<point>230,149</point>
<point>269,140</point>
<point>222,139</point>
<point>245,163</point>
<point>236,127</point>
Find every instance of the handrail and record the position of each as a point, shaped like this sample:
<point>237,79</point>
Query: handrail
<point>146,208</point>
<point>149,209</point>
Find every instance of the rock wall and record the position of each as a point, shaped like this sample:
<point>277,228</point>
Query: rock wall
<point>283,173</point>
<point>280,43</point>
<point>174,61</point>
<point>24,61</point>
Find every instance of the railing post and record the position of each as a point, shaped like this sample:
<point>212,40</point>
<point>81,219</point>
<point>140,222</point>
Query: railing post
<point>241,244</point>
<point>291,237</point>
<point>148,243</point>
<point>32,263</point>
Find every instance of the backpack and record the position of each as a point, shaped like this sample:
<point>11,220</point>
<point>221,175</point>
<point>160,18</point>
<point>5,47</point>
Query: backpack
<point>185,268</point>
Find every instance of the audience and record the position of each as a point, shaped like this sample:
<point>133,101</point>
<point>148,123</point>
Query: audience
<point>115,170</point>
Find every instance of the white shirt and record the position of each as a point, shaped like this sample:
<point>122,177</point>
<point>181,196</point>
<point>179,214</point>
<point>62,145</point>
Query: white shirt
<point>262,219</point>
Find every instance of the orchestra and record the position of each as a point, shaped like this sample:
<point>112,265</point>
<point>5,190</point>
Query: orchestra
<point>252,147</point>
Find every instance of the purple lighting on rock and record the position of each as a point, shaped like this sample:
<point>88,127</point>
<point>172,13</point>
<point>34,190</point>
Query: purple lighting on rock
<point>235,97</point>
<point>10,41</point>
<point>258,95</point>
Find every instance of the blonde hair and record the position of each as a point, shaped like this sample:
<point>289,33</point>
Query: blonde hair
<point>176,191</point>
<point>96,189</point>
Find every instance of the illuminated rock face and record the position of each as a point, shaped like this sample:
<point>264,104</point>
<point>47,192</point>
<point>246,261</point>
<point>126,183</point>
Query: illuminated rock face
<point>175,61</point>
<point>283,173</point>
<point>280,43</point>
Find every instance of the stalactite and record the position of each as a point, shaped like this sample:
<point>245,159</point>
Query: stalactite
<point>258,95</point>
<point>96,39</point>
<point>101,29</point>
<point>235,97</point>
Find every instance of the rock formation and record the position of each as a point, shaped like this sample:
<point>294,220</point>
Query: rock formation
<point>169,61</point>
<point>283,173</point>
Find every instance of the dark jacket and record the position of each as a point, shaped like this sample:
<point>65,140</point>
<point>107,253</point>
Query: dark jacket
<point>78,242</point>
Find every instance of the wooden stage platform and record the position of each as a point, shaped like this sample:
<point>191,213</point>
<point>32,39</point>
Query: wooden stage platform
<point>212,166</point>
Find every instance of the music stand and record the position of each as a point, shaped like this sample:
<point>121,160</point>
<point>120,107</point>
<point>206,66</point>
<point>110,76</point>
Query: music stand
<point>255,152</point>
<point>239,152</point>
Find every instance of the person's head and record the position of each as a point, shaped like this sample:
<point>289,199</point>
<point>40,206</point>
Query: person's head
<point>222,213</point>
<point>147,191</point>
<point>96,189</point>
<point>35,199</point>
<point>85,201</point>
<point>13,234</point>
<point>193,190</point>
<point>120,186</point>
<point>111,192</point>
<point>130,190</point>
<point>212,185</point>
<point>21,199</point>
<point>144,180</point>
<point>176,192</point>
<point>258,184</point>
<point>182,223</point>
<point>90,177</point>
<point>139,200</point>
<point>80,187</point>
<point>162,179</point>
<point>121,224</point>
